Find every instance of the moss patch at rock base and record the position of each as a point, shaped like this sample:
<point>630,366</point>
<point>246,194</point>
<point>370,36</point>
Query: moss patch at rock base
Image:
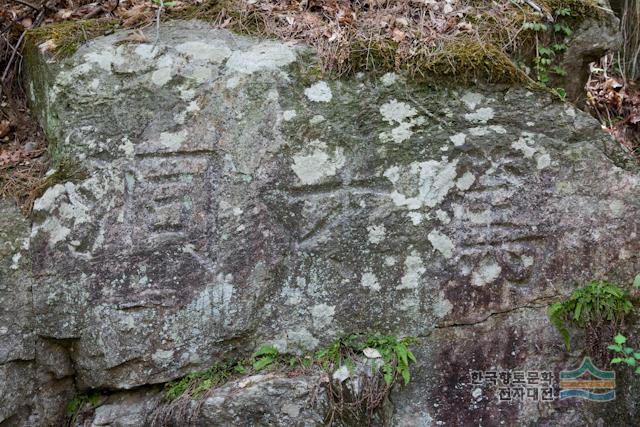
<point>66,37</point>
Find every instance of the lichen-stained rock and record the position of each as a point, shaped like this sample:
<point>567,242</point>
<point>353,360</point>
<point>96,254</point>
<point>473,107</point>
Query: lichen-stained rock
<point>17,341</point>
<point>234,198</point>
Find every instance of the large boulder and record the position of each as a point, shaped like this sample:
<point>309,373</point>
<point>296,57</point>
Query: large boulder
<point>233,197</point>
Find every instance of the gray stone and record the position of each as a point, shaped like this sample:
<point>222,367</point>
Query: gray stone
<point>233,199</point>
<point>17,347</point>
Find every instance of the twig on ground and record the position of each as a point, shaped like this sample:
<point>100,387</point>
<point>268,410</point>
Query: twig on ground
<point>15,50</point>
<point>24,3</point>
<point>160,7</point>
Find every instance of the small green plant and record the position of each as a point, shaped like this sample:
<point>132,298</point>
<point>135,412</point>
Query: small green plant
<point>627,355</point>
<point>396,356</point>
<point>592,307</point>
<point>164,3</point>
<point>81,401</point>
<point>264,357</point>
<point>382,363</point>
<point>543,62</point>
<point>195,384</point>
<point>562,94</point>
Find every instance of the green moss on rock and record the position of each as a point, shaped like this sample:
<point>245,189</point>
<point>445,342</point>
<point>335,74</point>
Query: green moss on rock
<point>68,36</point>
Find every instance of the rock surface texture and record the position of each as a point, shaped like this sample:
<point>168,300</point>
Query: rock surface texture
<point>234,198</point>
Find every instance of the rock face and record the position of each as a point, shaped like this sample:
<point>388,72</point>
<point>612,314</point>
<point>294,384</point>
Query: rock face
<point>234,198</point>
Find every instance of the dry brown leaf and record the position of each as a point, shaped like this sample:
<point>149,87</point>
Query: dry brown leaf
<point>398,35</point>
<point>136,36</point>
<point>63,14</point>
<point>5,127</point>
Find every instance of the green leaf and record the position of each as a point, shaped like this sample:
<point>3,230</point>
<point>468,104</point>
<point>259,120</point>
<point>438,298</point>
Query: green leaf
<point>266,350</point>
<point>628,350</point>
<point>578,310</point>
<point>636,281</point>
<point>616,360</point>
<point>388,377</point>
<point>401,351</point>
<point>637,371</point>
<point>263,363</point>
<point>636,355</point>
<point>620,339</point>
<point>559,70</point>
<point>615,347</point>
<point>630,361</point>
<point>546,51</point>
<point>406,376</point>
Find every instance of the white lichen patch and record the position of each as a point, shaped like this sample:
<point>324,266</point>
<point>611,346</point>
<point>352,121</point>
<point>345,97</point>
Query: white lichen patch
<point>181,117</point>
<point>317,119</point>
<point>472,99</point>
<point>172,141</point>
<point>161,76</point>
<point>163,357</point>
<point>213,51</point>
<point>127,147</point>
<point>376,233</point>
<point>415,217</point>
<point>482,115</point>
<point>479,217</point>
<point>531,149</point>
<point>400,133</point>
<point>397,112</point>
<point>55,230</point>
<point>288,115</point>
<point>413,271</point>
<point>524,144</point>
<point>187,94</point>
<point>458,139</point>
<point>421,184</point>
<point>443,217</point>
<point>317,163</point>
<point>262,57</point>
<point>15,261</point>
<point>527,261</point>
<point>487,272</point>
<point>617,208</point>
<point>301,338</point>
<point>441,243</point>
<point>486,130</point>
<point>388,79</point>
<point>47,201</point>
<point>369,280</point>
<point>322,315</point>
<point>145,50</point>
<point>104,59</point>
<point>201,74</point>
<point>543,161</point>
<point>319,92</point>
<point>442,306</point>
<point>232,82</point>
<point>465,181</point>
